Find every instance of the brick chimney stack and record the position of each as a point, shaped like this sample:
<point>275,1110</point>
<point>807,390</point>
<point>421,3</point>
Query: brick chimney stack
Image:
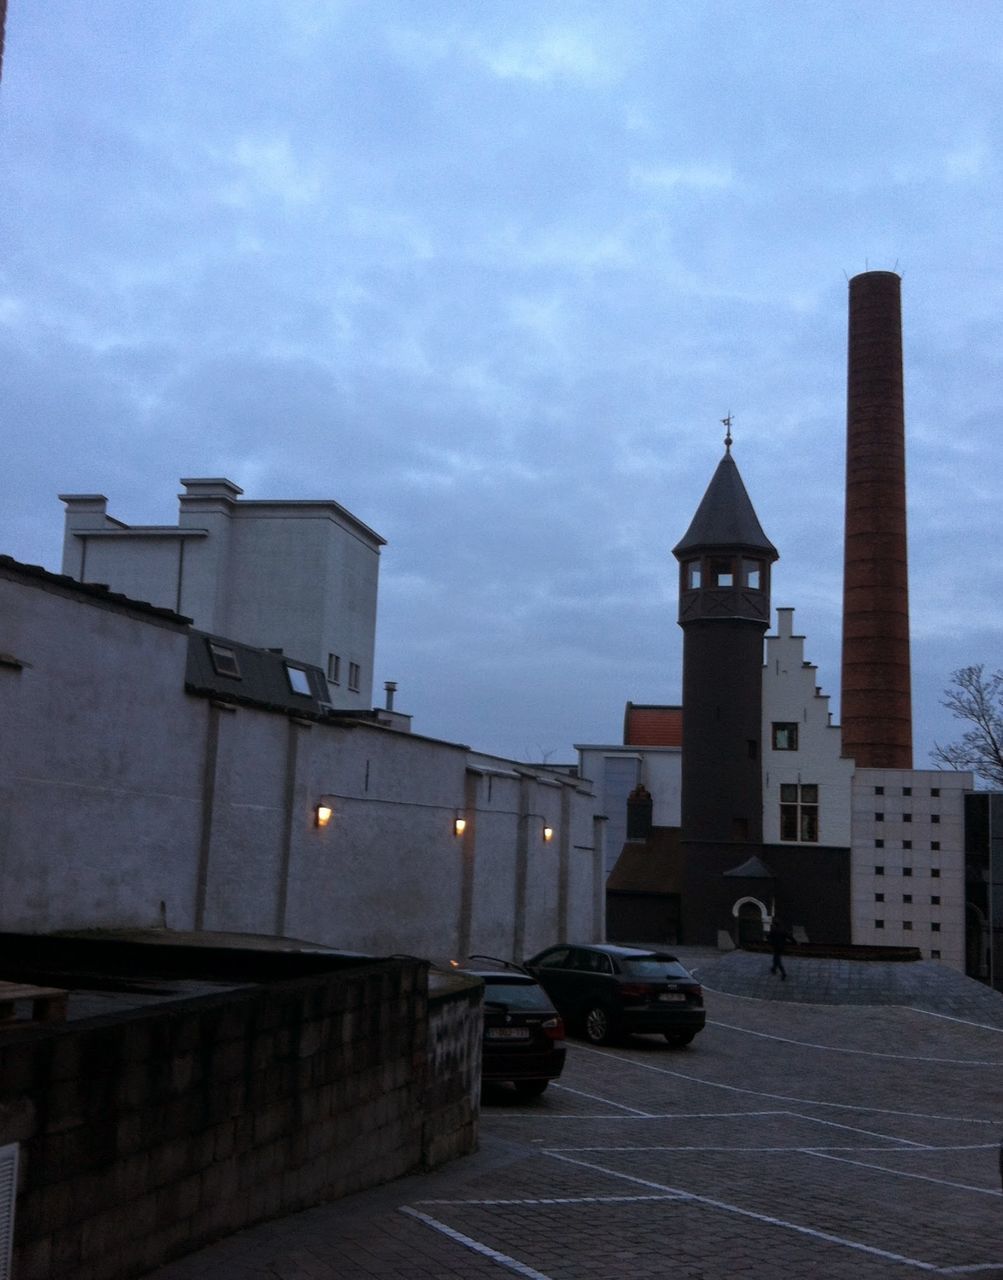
<point>876,701</point>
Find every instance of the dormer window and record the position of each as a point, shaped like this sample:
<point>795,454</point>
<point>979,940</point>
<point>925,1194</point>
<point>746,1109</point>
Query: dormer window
<point>224,660</point>
<point>752,575</point>
<point>722,573</point>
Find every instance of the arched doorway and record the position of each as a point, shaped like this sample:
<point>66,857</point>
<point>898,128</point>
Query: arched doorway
<point>751,918</point>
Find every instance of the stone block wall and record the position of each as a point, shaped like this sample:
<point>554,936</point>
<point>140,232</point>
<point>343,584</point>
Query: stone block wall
<point>146,1135</point>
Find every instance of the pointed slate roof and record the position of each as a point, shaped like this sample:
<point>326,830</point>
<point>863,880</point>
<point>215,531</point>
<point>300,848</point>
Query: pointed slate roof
<point>725,517</point>
<point>753,869</point>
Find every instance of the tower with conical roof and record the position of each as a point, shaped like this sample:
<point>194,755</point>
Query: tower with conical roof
<point>724,611</point>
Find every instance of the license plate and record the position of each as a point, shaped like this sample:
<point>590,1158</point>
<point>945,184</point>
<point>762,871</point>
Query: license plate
<point>672,995</point>
<point>507,1033</point>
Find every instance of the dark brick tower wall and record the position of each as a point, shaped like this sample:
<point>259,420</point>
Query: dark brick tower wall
<point>876,701</point>
<point>722,789</point>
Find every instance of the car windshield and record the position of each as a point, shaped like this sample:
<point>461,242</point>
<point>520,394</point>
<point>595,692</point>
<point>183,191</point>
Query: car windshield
<point>515,995</point>
<point>651,967</point>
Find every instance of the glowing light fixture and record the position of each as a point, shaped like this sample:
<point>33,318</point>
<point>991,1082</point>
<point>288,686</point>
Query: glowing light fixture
<point>459,825</point>
<point>322,815</point>
<point>548,834</point>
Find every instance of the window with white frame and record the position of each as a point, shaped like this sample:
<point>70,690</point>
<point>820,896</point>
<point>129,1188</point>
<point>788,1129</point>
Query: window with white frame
<point>799,811</point>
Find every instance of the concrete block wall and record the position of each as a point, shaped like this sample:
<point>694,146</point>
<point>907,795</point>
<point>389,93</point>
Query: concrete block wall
<point>145,1136</point>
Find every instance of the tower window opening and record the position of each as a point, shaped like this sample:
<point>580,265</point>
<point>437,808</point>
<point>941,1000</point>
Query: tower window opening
<point>752,574</point>
<point>722,573</point>
<point>692,575</point>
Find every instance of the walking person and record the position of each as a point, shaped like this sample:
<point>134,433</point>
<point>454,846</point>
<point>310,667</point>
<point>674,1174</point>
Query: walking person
<point>778,938</point>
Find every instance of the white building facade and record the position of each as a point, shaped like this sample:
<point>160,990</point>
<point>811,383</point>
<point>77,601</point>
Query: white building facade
<point>296,576</point>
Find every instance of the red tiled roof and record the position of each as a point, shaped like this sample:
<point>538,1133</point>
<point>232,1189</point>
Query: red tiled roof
<point>651,726</point>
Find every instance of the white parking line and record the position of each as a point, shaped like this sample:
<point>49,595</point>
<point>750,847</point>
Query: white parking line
<point>782,1097</point>
<point>594,1097</point>
<point>468,1242</point>
<point>903,1173</point>
<point>864,1053</point>
<point>813,1232</point>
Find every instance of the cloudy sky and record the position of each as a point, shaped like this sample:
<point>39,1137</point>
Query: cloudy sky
<point>489,273</point>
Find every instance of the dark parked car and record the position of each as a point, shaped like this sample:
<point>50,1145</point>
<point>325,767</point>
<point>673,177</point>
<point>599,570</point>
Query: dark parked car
<point>523,1032</point>
<point>606,991</point>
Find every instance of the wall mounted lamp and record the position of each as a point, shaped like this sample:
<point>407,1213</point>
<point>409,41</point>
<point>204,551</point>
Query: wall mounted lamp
<point>459,825</point>
<point>322,814</point>
<point>548,834</point>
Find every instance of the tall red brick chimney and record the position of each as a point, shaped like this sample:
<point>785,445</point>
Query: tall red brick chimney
<point>876,701</point>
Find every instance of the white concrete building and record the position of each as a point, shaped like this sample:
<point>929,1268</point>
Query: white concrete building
<point>143,785</point>
<point>806,780</point>
<point>297,576</point>
<point>908,871</point>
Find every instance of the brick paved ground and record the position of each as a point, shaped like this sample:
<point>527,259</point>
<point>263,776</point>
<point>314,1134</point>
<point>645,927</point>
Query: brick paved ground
<point>847,1139</point>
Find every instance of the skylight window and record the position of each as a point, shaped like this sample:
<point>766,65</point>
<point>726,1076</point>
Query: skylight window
<point>298,679</point>
<point>224,660</point>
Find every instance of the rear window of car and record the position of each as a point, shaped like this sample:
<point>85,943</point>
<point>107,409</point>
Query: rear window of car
<point>516,995</point>
<point>651,967</point>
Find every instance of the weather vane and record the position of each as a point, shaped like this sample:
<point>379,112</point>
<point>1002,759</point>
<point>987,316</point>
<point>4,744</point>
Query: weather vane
<point>726,423</point>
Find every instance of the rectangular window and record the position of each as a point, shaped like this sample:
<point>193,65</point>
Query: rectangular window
<point>298,679</point>
<point>353,676</point>
<point>935,791</point>
<point>907,791</point>
<point>334,668</point>
<point>934,955</point>
<point>799,811</point>
<point>935,872</point>
<point>879,791</point>
<point>879,871</point>
<point>934,899</point>
<point>752,574</point>
<point>224,660</point>
<point>907,871</point>
<point>906,844</point>
<point>785,736</point>
<point>879,844</point>
<point>879,817</point>
<point>879,924</point>
<point>879,897</point>
<point>907,924</point>
<point>935,927</point>
<point>934,817</point>
<point>692,571</point>
<point>907,817</point>
<point>935,845</point>
<point>907,897</point>
<point>722,573</point>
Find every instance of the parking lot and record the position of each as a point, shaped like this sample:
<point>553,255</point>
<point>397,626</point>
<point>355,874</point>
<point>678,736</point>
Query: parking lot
<point>847,1140</point>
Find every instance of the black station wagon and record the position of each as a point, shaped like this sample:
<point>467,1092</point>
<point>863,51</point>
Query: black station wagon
<point>605,992</point>
<point>523,1032</point>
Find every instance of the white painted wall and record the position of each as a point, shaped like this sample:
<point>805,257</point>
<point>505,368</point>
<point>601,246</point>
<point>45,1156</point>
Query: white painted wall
<point>300,576</point>
<point>112,812</point>
<point>791,695</point>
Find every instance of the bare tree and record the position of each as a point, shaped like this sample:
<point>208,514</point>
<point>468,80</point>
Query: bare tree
<point>976,699</point>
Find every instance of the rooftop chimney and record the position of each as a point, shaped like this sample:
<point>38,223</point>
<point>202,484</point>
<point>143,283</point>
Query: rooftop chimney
<point>876,701</point>
<point>390,686</point>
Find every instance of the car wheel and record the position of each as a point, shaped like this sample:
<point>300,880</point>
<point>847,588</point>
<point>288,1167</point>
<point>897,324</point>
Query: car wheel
<point>599,1025</point>
<point>679,1039</point>
<point>530,1088</point>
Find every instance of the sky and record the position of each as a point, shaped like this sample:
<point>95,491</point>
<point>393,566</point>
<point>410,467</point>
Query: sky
<point>489,273</point>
